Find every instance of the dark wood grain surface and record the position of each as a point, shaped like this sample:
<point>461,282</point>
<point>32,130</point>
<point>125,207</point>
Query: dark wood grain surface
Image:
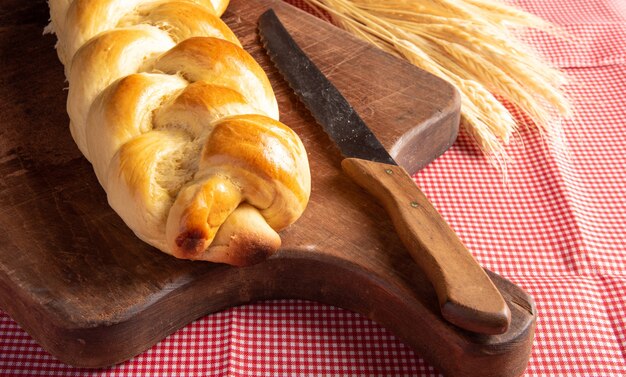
<point>78,280</point>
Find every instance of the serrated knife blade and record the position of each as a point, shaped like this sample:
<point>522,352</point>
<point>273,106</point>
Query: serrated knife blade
<point>466,295</point>
<point>327,105</point>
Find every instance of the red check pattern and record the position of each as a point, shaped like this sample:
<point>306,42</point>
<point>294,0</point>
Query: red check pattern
<point>556,228</point>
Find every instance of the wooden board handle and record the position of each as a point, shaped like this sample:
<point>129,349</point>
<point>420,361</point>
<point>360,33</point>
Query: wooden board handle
<point>467,296</point>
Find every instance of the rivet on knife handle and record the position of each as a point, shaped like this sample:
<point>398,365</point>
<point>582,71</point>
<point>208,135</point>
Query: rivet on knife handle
<point>467,296</point>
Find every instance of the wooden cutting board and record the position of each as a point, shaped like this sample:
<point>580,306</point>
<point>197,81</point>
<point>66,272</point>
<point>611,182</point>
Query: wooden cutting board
<point>86,289</point>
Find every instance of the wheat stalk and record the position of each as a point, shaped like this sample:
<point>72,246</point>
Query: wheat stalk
<point>469,44</point>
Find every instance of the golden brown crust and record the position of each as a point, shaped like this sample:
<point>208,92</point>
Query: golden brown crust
<point>224,64</point>
<point>241,248</point>
<point>110,56</point>
<point>183,20</point>
<point>180,124</point>
<point>260,148</point>
<point>124,111</point>
<point>76,22</point>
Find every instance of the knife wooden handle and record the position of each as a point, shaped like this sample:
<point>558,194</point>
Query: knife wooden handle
<point>467,297</point>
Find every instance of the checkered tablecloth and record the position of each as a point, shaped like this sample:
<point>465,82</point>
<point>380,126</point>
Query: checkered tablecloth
<point>555,227</point>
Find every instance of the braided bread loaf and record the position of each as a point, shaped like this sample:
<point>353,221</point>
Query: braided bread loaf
<point>180,125</point>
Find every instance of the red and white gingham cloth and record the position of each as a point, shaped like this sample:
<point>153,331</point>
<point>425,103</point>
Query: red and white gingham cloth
<point>556,228</point>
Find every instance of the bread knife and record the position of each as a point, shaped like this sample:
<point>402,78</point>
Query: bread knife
<point>467,297</point>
